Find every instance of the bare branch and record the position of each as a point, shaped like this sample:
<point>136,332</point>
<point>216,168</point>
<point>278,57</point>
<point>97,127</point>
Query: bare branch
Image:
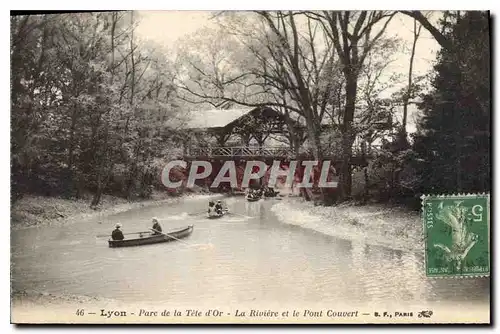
<point>440,38</point>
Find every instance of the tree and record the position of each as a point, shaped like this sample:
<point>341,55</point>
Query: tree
<point>207,72</point>
<point>409,92</point>
<point>452,142</point>
<point>32,46</point>
<point>351,35</point>
<point>284,67</point>
<point>91,106</point>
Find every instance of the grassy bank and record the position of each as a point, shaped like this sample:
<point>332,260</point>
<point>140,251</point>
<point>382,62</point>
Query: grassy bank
<point>377,224</point>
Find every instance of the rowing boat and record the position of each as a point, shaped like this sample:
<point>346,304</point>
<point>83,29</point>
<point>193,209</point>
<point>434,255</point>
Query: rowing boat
<point>152,239</point>
<point>270,195</point>
<point>216,215</point>
<point>253,199</point>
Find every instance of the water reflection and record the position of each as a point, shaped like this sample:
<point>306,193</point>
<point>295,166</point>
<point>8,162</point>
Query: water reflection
<point>254,209</point>
<point>359,268</point>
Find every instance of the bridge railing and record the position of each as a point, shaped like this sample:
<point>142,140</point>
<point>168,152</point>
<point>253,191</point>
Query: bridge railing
<point>240,151</point>
<point>265,151</point>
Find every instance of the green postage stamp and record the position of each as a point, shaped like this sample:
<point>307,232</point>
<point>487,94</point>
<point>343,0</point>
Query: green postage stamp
<point>457,235</point>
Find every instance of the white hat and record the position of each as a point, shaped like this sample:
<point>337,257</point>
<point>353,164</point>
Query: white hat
<point>155,220</point>
<point>118,225</point>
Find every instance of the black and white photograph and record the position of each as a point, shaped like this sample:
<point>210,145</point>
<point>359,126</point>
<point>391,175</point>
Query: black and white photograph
<point>250,167</point>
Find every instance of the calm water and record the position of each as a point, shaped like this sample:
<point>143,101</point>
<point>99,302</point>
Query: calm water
<point>249,256</point>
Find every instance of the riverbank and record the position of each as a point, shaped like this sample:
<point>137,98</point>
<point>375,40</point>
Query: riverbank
<point>36,211</point>
<point>377,224</point>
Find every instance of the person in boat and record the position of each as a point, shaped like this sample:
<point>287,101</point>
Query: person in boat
<point>218,207</point>
<point>211,207</point>
<point>270,192</point>
<point>117,234</point>
<point>156,226</point>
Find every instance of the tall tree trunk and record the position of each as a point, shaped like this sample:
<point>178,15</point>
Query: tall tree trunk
<point>406,98</point>
<point>313,135</point>
<point>315,140</point>
<point>293,137</point>
<point>348,136</point>
<point>132,83</point>
<point>134,170</point>
<point>366,191</point>
<point>100,172</point>
<point>71,150</point>
<point>132,95</point>
<point>102,176</point>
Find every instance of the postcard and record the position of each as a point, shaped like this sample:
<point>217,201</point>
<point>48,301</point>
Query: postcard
<point>250,167</point>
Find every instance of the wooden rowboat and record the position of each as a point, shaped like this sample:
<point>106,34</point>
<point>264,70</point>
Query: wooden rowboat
<point>149,238</point>
<point>253,199</point>
<point>215,215</point>
<point>276,193</point>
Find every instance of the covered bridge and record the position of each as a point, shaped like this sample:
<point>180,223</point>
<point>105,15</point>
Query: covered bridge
<point>260,132</point>
<point>235,132</point>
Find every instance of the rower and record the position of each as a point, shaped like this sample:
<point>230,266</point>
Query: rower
<point>218,207</point>
<point>117,233</point>
<point>210,207</point>
<point>156,226</point>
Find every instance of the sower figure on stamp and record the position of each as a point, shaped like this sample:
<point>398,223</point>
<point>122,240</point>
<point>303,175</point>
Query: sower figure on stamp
<point>462,239</point>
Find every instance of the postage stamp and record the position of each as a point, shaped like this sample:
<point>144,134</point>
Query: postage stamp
<point>457,235</point>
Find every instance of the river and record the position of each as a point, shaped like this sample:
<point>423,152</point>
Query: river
<point>249,257</point>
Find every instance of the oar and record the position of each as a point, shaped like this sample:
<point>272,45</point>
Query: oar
<point>187,243</point>
<point>167,235</point>
<point>234,213</point>
<point>197,213</point>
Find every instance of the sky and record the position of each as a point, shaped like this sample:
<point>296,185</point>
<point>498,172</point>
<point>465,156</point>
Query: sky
<point>167,27</point>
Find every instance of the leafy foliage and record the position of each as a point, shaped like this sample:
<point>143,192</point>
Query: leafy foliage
<point>90,111</point>
<point>453,141</point>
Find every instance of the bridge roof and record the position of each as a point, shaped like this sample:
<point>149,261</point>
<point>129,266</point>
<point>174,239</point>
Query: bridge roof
<point>215,118</point>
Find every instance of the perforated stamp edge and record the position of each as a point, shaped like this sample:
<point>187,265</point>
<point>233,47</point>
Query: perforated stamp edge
<point>424,232</point>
